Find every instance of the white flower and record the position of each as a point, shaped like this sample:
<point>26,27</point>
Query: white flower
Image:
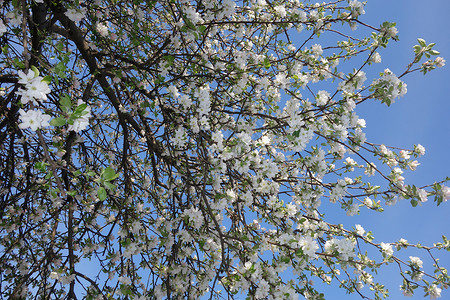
<point>360,230</point>
<point>282,80</point>
<point>370,169</point>
<point>2,28</point>
<point>54,275</point>
<point>407,292</point>
<point>368,202</point>
<point>205,101</point>
<point>440,62</point>
<point>102,29</point>
<point>192,15</point>
<point>179,139</point>
<point>344,247</point>
<point>434,291</point>
<point>14,17</point>
<point>124,280</point>
<point>309,246</point>
<point>35,87</point>
<point>322,98</point>
<point>361,123</point>
<point>413,165</point>
<point>391,31</point>
<point>445,190</point>
<point>195,217</point>
<point>26,78</point>
<point>186,101</point>
<point>423,195</point>
<point>76,15</point>
<point>419,149</point>
<point>174,91</point>
<point>82,122</point>
<point>387,249</point>
<point>357,8</point>
<point>217,137</point>
<point>353,210</point>
<point>280,10</point>
<point>263,289</point>
<point>229,8</point>
<point>389,87</point>
<point>33,119</point>
<point>376,58</point>
<point>317,50</point>
<point>261,3</point>
<point>416,262</point>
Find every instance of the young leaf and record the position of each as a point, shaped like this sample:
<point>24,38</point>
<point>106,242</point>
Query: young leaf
<point>59,121</point>
<point>109,174</point>
<point>422,42</point>
<point>65,102</point>
<point>101,193</point>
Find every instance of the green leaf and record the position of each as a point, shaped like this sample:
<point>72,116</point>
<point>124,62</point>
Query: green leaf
<point>60,70</point>
<point>109,185</point>
<point>40,166</point>
<point>422,42</point>
<point>434,52</point>
<point>49,175</point>
<point>35,70</point>
<point>65,102</point>
<point>18,64</point>
<point>80,108</point>
<point>266,63</point>
<point>59,121</point>
<point>101,193</point>
<point>109,174</point>
<point>170,59</point>
<point>47,79</point>
<point>417,49</point>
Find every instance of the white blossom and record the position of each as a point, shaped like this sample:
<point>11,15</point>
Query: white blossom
<point>33,119</point>
<point>322,98</point>
<point>36,88</point>
<point>76,15</point>
<point>102,28</point>
<point>376,58</point>
<point>416,261</point>
<point>419,149</point>
<point>439,61</point>
<point>445,190</point>
<point>82,122</point>
<point>389,87</point>
<point>3,28</point>
<point>357,8</point>
<point>360,230</point>
<point>387,249</point>
<point>435,291</point>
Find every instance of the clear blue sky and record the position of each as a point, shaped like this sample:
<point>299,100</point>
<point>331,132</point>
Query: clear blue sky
<point>421,116</point>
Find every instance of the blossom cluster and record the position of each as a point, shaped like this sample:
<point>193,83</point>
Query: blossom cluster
<point>35,89</point>
<point>388,87</point>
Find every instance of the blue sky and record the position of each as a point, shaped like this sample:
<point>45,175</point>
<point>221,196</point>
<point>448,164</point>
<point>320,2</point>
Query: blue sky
<point>421,116</point>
